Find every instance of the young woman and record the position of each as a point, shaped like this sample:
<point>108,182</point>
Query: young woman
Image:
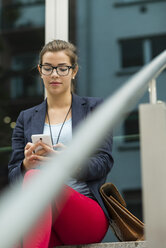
<point>82,218</point>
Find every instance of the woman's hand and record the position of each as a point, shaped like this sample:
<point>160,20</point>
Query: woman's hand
<point>33,158</point>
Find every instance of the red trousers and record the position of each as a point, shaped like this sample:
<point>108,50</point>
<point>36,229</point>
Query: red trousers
<point>72,220</point>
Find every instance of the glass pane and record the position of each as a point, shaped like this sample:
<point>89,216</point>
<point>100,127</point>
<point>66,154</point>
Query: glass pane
<point>132,53</point>
<point>21,39</point>
<point>27,1</point>
<point>158,45</point>
<point>129,1</point>
<point>19,16</point>
<point>24,84</point>
<point>131,127</point>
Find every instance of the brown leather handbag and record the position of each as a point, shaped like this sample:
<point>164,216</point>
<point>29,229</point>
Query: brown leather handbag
<point>125,225</point>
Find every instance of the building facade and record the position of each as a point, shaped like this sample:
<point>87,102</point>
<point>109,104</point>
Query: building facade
<point>116,38</point>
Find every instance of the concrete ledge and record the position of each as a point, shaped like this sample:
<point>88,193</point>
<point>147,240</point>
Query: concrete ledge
<point>138,244</point>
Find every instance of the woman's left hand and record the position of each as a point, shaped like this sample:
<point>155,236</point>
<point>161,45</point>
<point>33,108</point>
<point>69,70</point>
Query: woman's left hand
<point>44,153</point>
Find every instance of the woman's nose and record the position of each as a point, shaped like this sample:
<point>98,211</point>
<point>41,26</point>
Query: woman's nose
<point>54,73</point>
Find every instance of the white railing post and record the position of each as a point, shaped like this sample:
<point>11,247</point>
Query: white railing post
<point>153,156</point>
<point>152,91</point>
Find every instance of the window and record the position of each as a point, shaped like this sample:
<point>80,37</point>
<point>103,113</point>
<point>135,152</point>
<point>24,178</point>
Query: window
<point>120,3</point>
<point>131,127</point>
<point>138,52</point>
<point>25,80</point>
<point>132,53</point>
<point>27,1</point>
<point>19,15</point>
<point>21,38</point>
<point>128,1</point>
<point>158,45</point>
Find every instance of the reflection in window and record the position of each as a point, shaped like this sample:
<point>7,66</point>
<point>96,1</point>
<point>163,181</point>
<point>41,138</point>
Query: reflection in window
<point>17,16</point>
<point>21,38</point>
<point>20,87</point>
<point>16,87</point>
<point>27,1</point>
<point>24,61</point>
<point>25,83</point>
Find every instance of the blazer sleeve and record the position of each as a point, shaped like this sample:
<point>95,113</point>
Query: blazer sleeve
<point>18,143</point>
<point>100,164</point>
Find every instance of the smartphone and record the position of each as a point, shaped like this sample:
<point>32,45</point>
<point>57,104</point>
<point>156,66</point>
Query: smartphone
<point>45,138</point>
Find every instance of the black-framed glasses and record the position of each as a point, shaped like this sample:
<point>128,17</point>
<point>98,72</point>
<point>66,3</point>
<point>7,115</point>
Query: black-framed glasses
<point>61,70</point>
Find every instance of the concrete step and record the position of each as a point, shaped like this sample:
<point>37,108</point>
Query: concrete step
<point>137,244</point>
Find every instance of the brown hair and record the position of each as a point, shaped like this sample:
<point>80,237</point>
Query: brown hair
<point>61,45</point>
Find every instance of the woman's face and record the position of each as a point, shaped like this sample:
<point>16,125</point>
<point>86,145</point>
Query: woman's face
<point>54,83</point>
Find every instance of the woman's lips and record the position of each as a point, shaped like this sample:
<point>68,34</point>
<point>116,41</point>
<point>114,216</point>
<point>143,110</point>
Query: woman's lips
<point>55,83</point>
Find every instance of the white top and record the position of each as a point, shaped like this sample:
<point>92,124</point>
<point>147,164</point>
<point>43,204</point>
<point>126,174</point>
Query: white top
<point>65,138</point>
<point>65,135</point>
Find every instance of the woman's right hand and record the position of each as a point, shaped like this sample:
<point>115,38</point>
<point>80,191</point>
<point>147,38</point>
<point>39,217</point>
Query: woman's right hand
<point>31,159</point>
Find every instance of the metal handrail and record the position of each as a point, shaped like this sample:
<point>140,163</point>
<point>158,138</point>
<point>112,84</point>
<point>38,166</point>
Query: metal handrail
<point>19,209</point>
<point>115,138</point>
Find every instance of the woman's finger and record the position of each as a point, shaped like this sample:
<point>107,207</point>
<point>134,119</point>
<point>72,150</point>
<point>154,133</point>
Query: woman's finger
<point>45,147</point>
<point>41,152</point>
<point>30,147</point>
<point>45,158</point>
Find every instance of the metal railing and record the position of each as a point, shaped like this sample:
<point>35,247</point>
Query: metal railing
<point>19,209</point>
<point>129,137</point>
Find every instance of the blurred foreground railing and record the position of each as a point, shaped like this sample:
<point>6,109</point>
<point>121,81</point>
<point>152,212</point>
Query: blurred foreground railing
<point>129,137</point>
<point>19,209</point>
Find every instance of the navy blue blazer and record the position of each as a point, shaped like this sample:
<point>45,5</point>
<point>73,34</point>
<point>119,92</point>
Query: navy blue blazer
<point>31,121</point>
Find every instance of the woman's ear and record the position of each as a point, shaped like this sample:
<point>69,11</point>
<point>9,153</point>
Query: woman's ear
<point>39,70</point>
<point>75,70</point>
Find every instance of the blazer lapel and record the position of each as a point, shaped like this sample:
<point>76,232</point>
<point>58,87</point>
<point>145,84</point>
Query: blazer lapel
<point>79,110</point>
<point>39,118</point>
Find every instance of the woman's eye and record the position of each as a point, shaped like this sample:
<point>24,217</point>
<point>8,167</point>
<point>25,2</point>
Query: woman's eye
<point>62,68</point>
<point>47,68</point>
